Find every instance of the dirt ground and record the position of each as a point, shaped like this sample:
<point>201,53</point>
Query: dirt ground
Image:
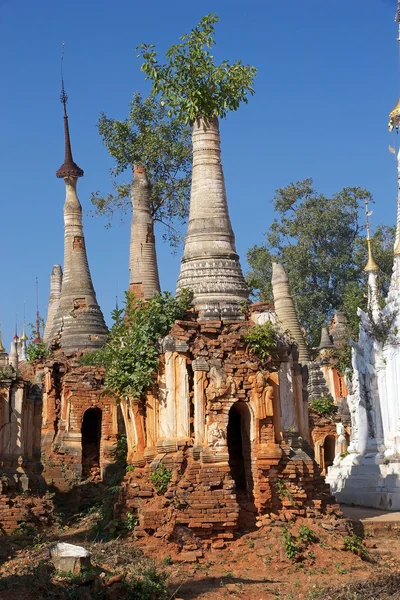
<point>253,567</point>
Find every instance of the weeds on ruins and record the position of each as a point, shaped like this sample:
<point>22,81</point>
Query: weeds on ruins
<point>130,356</point>
<point>324,406</point>
<point>267,341</point>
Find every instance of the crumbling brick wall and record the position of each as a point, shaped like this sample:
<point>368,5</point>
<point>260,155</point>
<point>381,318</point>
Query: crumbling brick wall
<point>282,478</point>
<point>27,509</point>
<point>71,389</point>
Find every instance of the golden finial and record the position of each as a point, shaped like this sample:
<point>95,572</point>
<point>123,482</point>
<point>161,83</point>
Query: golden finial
<point>23,337</point>
<point>371,265</point>
<point>394,117</point>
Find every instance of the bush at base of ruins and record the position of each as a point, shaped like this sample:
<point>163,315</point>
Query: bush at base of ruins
<point>354,544</point>
<point>131,356</point>
<point>324,406</point>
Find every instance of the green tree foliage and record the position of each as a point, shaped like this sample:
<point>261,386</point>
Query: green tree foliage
<point>320,241</point>
<point>161,144</point>
<point>130,356</point>
<point>190,83</point>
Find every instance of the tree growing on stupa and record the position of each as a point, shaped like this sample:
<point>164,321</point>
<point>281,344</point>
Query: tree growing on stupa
<point>198,92</point>
<point>160,145</point>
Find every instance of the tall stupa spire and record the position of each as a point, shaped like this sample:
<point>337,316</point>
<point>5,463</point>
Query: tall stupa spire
<point>285,309</point>
<point>210,265</point>
<point>372,270</point>
<point>144,281</point>
<point>79,322</point>
<point>69,168</point>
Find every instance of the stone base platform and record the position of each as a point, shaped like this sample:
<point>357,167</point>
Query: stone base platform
<point>372,521</point>
<point>363,482</point>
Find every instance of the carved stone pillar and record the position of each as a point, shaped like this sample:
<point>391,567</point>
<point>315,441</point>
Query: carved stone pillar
<point>273,379</point>
<point>287,401</point>
<point>138,457</point>
<point>151,427</point>
<point>182,398</point>
<point>298,395</point>
<point>200,368</point>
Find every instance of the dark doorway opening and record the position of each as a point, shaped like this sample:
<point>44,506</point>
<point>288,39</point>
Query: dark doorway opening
<point>239,448</point>
<point>329,451</point>
<point>91,437</point>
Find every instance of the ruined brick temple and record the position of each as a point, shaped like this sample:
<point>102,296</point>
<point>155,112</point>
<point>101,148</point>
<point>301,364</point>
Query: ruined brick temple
<point>233,431</point>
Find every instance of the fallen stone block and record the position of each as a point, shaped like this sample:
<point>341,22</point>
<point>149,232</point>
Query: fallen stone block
<point>69,558</point>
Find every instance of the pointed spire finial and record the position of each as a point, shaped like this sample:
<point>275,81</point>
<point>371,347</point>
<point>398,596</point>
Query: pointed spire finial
<point>37,332</point>
<point>371,264</point>
<point>69,168</point>
<point>24,337</point>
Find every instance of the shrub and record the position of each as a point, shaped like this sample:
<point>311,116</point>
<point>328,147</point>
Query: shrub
<point>292,548</point>
<point>324,406</point>
<point>37,351</point>
<point>354,544</point>
<point>265,341</point>
<point>160,478</point>
<point>307,536</point>
<point>130,356</point>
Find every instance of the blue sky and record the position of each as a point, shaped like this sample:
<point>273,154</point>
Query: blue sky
<point>328,74</point>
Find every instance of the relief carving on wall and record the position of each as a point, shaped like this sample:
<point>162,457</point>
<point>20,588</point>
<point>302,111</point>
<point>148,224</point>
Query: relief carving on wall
<point>262,394</point>
<point>216,436</point>
<point>220,385</point>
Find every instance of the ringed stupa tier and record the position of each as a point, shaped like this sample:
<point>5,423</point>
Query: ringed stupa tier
<point>210,266</point>
<point>285,309</point>
<point>79,322</point>
<point>144,280</point>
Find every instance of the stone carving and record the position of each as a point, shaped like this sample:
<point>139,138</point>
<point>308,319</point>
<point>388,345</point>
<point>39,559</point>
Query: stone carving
<point>216,437</point>
<point>262,395</point>
<point>220,385</point>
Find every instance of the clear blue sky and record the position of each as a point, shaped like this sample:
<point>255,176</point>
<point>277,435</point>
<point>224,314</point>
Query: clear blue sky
<point>327,78</point>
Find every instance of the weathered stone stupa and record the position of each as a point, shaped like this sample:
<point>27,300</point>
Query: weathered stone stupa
<point>210,265</point>
<point>79,322</point>
<point>285,310</point>
<point>54,302</point>
<point>144,281</point>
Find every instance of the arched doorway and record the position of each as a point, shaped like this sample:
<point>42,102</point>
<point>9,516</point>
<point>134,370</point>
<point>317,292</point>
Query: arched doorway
<point>239,448</point>
<point>329,451</point>
<point>91,437</point>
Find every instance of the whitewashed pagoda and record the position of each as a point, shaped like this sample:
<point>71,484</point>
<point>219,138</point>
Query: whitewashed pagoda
<point>370,474</point>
